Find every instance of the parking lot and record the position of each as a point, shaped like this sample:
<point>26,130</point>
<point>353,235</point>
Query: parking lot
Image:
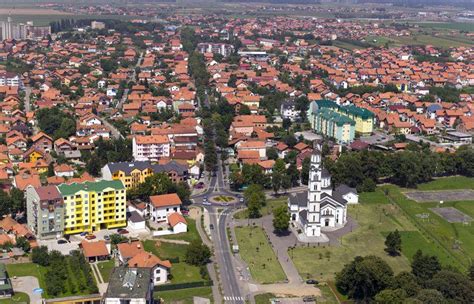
<point>436,196</point>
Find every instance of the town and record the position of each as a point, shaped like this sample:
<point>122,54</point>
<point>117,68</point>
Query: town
<point>253,154</point>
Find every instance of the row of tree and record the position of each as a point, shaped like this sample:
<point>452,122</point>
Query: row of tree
<point>371,279</point>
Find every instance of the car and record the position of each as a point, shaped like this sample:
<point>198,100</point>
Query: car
<point>107,237</point>
<point>84,233</point>
<point>311,281</point>
<point>206,203</point>
<point>309,299</point>
<point>185,212</point>
<point>241,199</point>
<point>61,241</point>
<point>90,236</point>
<point>122,231</point>
<point>211,226</point>
<point>225,204</point>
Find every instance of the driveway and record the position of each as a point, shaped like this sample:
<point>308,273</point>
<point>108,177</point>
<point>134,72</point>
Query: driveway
<point>26,285</point>
<point>65,249</point>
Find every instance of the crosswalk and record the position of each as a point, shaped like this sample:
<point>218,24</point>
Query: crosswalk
<point>234,299</point>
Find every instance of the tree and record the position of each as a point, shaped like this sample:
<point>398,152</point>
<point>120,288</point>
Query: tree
<point>278,173</point>
<point>453,285</point>
<point>281,219</point>
<point>22,242</point>
<point>406,281</point>
<point>17,200</point>
<point>368,185</point>
<point>51,169</point>
<point>471,272</point>
<point>364,277</point>
<point>197,253</point>
<point>40,256</point>
<point>391,296</point>
<point>424,267</point>
<point>272,153</point>
<point>305,170</point>
<point>93,165</point>
<point>430,296</point>
<point>393,243</point>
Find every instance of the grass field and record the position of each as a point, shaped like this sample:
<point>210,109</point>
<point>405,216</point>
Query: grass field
<point>264,298</point>
<point>189,236</point>
<point>266,210</point>
<point>462,26</point>
<point>454,242</point>
<point>105,269</point>
<point>441,41</point>
<point>28,269</point>
<point>184,296</point>
<point>181,272</point>
<point>18,297</point>
<point>255,250</point>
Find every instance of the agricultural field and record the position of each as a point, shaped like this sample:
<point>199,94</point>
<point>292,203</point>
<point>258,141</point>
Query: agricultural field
<point>442,41</point>
<point>378,214</point>
<point>259,256</point>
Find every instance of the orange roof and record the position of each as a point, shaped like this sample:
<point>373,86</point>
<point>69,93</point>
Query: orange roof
<point>4,239</point>
<point>8,223</point>
<point>94,249</point>
<point>151,139</point>
<point>176,218</point>
<point>163,200</point>
<point>248,154</point>
<point>147,260</point>
<point>129,250</point>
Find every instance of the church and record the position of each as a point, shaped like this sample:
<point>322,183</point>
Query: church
<point>320,208</point>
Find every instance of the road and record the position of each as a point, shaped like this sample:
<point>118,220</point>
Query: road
<point>132,78</point>
<point>222,250</point>
<point>27,98</point>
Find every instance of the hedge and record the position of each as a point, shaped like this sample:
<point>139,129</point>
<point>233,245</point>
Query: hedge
<point>183,285</point>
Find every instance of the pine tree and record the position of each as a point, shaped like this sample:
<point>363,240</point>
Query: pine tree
<point>393,243</point>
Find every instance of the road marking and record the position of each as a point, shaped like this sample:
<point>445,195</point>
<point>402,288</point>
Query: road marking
<point>233,299</point>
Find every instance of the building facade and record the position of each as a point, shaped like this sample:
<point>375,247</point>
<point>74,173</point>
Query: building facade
<point>364,119</point>
<point>45,211</point>
<point>54,211</point>
<point>334,125</point>
<point>131,285</point>
<point>150,147</point>
<point>93,206</point>
<point>132,174</point>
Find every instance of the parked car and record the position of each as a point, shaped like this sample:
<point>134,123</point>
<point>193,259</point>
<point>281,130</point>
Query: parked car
<point>107,237</point>
<point>211,226</point>
<point>83,233</point>
<point>122,231</point>
<point>309,299</point>
<point>61,241</point>
<point>311,281</point>
<point>90,236</point>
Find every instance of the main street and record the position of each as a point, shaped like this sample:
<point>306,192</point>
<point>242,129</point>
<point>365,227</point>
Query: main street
<point>222,250</point>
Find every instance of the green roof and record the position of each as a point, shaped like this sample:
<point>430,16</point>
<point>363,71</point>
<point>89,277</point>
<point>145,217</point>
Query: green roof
<point>97,186</point>
<point>356,111</point>
<point>350,110</point>
<point>337,118</point>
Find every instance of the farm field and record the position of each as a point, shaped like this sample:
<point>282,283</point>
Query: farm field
<point>256,251</point>
<point>377,215</point>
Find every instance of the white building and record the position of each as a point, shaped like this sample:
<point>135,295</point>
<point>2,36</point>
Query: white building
<point>9,79</point>
<point>320,208</point>
<point>161,206</point>
<point>150,147</point>
<point>288,110</point>
<point>159,269</point>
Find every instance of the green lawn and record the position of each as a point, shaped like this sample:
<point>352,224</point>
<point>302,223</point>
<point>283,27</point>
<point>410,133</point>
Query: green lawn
<point>18,297</point>
<point>441,41</point>
<point>190,235</point>
<point>184,296</point>
<point>266,210</point>
<point>449,183</point>
<point>28,269</point>
<point>264,298</point>
<point>463,26</point>
<point>181,272</point>
<point>105,269</point>
<point>256,251</point>
<point>454,242</point>
<point>374,215</point>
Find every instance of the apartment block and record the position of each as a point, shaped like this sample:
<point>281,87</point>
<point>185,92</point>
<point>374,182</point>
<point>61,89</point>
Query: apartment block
<point>93,206</point>
<point>132,174</point>
<point>150,147</point>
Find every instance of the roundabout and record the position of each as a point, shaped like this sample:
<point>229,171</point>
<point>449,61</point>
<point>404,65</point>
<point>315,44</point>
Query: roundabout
<point>223,199</point>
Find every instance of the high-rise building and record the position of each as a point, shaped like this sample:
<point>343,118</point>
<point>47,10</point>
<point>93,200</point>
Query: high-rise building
<point>75,208</point>
<point>20,31</point>
<point>6,29</point>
